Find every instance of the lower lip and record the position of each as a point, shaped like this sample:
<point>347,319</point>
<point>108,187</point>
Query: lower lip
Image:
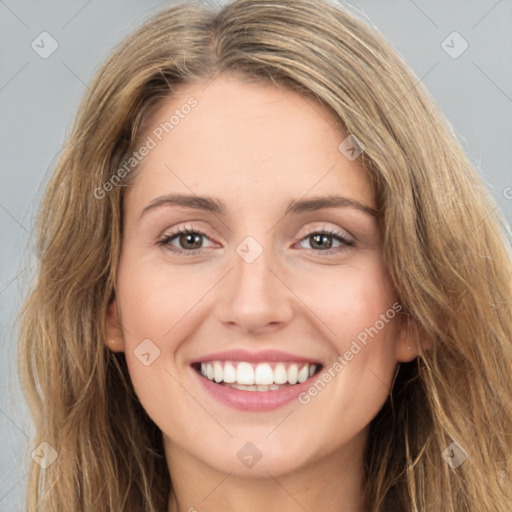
<point>254,400</point>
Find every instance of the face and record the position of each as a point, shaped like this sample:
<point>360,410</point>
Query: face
<point>271,320</point>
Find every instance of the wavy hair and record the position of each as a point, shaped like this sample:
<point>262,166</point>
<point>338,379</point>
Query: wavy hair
<point>446,246</point>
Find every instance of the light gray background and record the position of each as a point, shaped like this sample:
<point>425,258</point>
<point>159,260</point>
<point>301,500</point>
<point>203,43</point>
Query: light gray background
<point>38,99</point>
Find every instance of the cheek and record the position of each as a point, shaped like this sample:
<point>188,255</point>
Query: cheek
<point>155,300</point>
<point>359,307</point>
<point>350,300</point>
<point>160,310</point>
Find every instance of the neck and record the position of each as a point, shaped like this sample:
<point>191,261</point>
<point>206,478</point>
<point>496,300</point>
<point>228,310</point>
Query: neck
<point>333,483</point>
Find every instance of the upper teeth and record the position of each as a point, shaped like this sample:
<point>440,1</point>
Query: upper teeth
<point>262,374</point>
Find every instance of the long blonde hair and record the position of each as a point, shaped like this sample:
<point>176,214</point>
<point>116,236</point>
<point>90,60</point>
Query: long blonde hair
<point>445,245</point>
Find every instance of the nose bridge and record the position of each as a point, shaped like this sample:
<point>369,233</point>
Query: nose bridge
<point>254,296</point>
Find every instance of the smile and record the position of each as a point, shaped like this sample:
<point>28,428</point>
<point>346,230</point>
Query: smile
<point>265,376</point>
<point>254,381</point>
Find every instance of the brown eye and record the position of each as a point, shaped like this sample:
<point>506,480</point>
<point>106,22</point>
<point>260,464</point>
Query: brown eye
<point>189,241</point>
<point>322,241</point>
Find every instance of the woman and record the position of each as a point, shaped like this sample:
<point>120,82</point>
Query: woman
<point>336,336</point>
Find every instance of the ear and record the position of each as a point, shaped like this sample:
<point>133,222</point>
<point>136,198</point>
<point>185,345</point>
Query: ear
<point>113,329</point>
<point>412,340</point>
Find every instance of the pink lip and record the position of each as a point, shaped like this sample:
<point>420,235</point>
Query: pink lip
<point>256,401</point>
<point>264,356</point>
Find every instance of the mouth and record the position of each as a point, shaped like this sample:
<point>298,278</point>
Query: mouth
<point>255,382</point>
<point>257,377</point>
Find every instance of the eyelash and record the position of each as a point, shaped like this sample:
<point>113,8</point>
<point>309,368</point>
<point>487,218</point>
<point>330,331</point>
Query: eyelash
<point>165,241</point>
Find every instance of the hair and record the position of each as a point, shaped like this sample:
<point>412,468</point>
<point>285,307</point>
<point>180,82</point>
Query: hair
<point>445,243</point>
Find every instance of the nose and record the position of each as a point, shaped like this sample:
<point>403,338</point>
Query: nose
<point>254,297</point>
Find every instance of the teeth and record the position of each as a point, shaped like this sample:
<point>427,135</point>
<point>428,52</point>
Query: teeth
<point>244,373</point>
<point>303,374</point>
<point>293,373</point>
<point>244,388</point>
<point>209,371</point>
<point>217,371</point>
<point>229,373</point>
<point>260,377</point>
<point>264,374</point>
<point>280,375</point>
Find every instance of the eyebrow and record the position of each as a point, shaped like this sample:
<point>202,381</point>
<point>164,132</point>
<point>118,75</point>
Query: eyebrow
<point>212,205</point>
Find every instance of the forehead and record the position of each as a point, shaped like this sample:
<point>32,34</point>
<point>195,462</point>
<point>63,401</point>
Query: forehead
<point>246,139</point>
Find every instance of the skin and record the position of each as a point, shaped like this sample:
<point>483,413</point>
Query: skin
<point>255,148</point>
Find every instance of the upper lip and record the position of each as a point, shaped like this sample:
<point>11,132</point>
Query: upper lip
<point>262,356</point>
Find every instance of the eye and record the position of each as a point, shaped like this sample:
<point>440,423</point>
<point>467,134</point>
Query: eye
<point>323,240</point>
<point>189,239</point>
